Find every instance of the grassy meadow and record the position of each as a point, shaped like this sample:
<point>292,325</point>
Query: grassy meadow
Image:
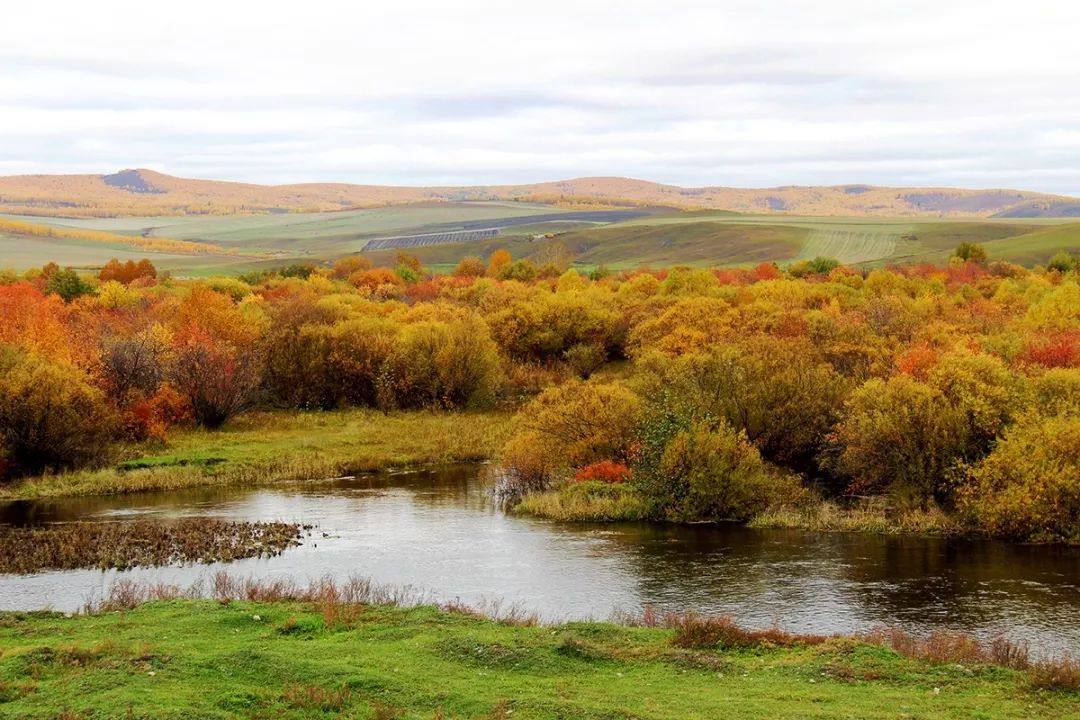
<point>321,658</point>
<point>268,446</point>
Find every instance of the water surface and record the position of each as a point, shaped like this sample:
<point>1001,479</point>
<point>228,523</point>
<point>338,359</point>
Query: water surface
<point>440,531</point>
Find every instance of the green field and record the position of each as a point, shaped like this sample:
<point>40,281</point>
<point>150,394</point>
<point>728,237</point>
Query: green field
<point>287,659</point>
<point>658,239</point>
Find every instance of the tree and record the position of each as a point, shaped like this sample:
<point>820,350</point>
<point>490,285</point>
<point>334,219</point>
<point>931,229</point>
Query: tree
<point>970,252</point>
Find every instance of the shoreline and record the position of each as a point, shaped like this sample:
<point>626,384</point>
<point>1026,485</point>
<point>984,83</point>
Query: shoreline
<point>292,651</point>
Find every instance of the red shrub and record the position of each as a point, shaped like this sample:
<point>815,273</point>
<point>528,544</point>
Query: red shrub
<point>917,361</point>
<point>1061,350</point>
<point>606,471</point>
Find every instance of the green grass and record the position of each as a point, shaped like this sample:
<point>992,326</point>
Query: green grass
<point>273,446</point>
<point>206,659</point>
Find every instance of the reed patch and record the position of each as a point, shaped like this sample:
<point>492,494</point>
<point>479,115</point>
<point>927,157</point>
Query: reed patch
<point>141,543</point>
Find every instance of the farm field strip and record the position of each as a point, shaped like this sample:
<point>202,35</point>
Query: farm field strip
<point>850,246</point>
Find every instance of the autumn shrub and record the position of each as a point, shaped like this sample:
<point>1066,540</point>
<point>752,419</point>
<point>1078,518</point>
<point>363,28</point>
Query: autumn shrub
<point>67,284</point>
<point>359,351</point>
<point>1057,391</point>
<point>1028,487</point>
<point>900,436</point>
<point>470,266</point>
<point>605,471</point>
<point>150,417</point>
<point>543,326</point>
<point>982,389</point>
<point>777,393</point>
<point>127,272</point>
<point>585,359</point>
<point>706,471</point>
<point>219,379</point>
<point>298,370</point>
<point>346,266</point>
<point>451,364</point>
<point>134,362</point>
<point>52,417</point>
<point>572,425</point>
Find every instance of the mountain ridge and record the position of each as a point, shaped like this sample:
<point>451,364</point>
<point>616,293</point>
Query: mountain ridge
<point>141,191</point>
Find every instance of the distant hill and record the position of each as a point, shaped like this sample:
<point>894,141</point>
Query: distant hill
<point>145,192</point>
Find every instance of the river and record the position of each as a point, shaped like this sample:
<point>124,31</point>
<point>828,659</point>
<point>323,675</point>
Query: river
<point>439,531</point>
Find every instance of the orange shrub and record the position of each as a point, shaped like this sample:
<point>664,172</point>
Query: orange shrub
<point>606,471</point>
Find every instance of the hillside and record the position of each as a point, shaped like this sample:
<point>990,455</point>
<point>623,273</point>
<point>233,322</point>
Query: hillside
<point>150,193</point>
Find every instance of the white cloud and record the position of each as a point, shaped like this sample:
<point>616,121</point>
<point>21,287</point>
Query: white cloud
<point>748,93</point>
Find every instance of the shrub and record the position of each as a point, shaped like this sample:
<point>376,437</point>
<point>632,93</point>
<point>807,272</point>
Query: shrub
<point>445,364</point>
<point>572,425</point>
<point>970,252</point>
<point>900,436</point>
<point>522,270</point>
<point>981,388</point>
<point>470,266</point>
<point>710,472</point>
<point>135,362</point>
<point>585,359</point>
<point>1063,262</point>
<point>51,416</point>
<point>218,378</point>
<point>1029,486</point>
<point>605,471</point>
<point>775,391</point>
<point>67,284</point>
<point>348,265</point>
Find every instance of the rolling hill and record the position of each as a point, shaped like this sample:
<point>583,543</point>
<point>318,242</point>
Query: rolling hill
<point>148,193</point>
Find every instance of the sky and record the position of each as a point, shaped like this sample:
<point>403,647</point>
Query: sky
<point>749,94</point>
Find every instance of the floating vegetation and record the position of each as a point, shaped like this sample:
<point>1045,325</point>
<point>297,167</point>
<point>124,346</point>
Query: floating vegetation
<point>140,543</point>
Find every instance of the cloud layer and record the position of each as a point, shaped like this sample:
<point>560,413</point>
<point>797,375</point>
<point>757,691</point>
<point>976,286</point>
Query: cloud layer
<point>980,94</point>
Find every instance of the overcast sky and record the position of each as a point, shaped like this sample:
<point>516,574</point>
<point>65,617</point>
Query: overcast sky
<point>958,93</point>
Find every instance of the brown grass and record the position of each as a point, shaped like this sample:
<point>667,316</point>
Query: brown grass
<point>722,632</point>
<point>1062,674</point>
<point>139,543</point>
<point>952,647</point>
<point>316,697</point>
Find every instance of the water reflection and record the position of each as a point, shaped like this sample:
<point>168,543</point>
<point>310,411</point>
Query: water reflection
<point>439,530</point>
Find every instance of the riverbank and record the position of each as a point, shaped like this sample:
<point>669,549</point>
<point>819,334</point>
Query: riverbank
<point>272,446</point>
<point>322,657</point>
<point>616,502</point>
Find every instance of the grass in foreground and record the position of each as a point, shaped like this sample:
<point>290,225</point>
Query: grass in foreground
<point>272,446</point>
<point>318,657</point>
